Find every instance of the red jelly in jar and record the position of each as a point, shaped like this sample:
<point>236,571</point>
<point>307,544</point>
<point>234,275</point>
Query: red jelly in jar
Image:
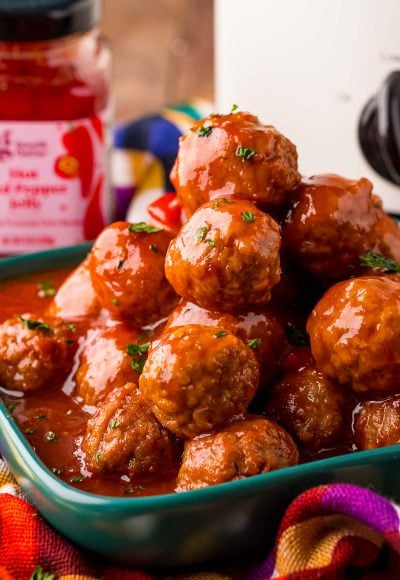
<point>54,113</point>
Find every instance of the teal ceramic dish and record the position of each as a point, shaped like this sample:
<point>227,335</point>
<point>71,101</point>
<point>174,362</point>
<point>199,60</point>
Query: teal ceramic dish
<point>176,529</point>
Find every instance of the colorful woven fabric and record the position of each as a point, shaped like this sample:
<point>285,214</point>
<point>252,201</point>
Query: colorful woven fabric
<point>329,532</point>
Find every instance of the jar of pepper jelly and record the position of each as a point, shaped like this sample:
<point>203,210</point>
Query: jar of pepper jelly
<point>54,115</point>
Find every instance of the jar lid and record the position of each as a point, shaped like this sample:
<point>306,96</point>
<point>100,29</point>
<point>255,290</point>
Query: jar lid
<point>35,20</point>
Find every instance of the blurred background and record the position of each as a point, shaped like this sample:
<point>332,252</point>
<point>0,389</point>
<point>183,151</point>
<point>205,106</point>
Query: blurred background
<point>163,52</point>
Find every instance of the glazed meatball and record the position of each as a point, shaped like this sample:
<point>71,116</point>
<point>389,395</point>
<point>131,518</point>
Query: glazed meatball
<point>355,332</point>
<point>76,298</point>
<point>311,407</point>
<point>377,424</point>
<point>124,436</point>
<point>330,224</point>
<point>34,352</point>
<point>197,378</point>
<point>105,361</point>
<point>388,236</point>
<point>244,448</point>
<point>260,330</point>
<point>226,257</point>
<point>234,155</point>
<point>127,270</point>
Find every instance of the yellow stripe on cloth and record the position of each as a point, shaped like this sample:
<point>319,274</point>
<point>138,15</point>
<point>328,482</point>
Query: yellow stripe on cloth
<point>311,544</point>
<point>7,482</point>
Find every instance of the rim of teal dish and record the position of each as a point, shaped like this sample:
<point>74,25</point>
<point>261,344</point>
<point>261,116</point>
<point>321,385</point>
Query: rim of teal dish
<point>46,480</point>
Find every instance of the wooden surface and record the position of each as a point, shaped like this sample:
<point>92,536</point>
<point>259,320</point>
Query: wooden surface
<point>163,52</point>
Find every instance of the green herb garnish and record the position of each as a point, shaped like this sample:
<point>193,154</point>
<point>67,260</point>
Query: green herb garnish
<point>40,574</point>
<point>71,326</point>
<point>30,431</point>
<point>245,153</point>
<point>116,302</point>
<point>41,417</point>
<point>234,108</point>
<point>132,489</point>
<point>56,470</point>
<point>296,335</point>
<point>205,131</point>
<point>35,324</point>
<point>10,407</point>
<point>254,343</point>
<point>375,260</point>
<point>77,479</point>
<point>154,248</point>
<point>113,424</point>
<point>46,288</point>
<point>211,243</point>
<point>138,365</point>
<point>142,227</point>
<point>51,436</point>
<point>202,232</point>
<point>133,349</point>
<point>96,456</point>
<point>247,216</point>
<point>220,333</point>
<point>120,264</point>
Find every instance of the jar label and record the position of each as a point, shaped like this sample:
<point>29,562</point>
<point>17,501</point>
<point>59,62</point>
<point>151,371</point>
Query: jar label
<point>52,183</point>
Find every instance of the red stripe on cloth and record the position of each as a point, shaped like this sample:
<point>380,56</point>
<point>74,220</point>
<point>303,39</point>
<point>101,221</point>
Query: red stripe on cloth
<point>26,541</point>
<point>307,505</point>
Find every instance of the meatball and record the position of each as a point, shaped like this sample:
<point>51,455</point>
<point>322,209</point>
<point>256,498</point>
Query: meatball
<point>310,406</point>
<point>244,448</point>
<point>355,332</point>
<point>234,154</point>
<point>127,270</point>
<point>330,224</point>
<point>76,297</point>
<point>34,352</point>
<point>124,436</point>
<point>260,330</point>
<point>388,236</point>
<point>226,257</point>
<point>105,361</point>
<point>377,424</point>
<point>197,378</point>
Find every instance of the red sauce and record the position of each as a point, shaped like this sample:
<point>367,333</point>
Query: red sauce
<point>54,425</point>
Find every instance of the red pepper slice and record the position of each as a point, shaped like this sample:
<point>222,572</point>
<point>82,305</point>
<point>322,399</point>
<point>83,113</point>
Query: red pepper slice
<point>78,143</point>
<point>167,211</point>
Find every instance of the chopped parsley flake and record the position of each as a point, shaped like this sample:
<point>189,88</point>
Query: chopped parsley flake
<point>40,574</point>
<point>11,407</point>
<point>138,365</point>
<point>297,336</point>
<point>245,153</point>
<point>113,424</point>
<point>142,227</point>
<point>234,108</point>
<point>247,216</point>
<point>71,326</point>
<point>154,248</point>
<point>211,243</point>
<point>46,288</point>
<point>77,479</point>
<point>120,264</point>
<point>41,417</point>
<point>128,490</point>
<point>35,324</point>
<point>202,232</point>
<point>30,431</point>
<point>220,333</point>
<point>97,456</point>
<point>205,131</point>
<point>254,343</point>
<point>56,470</point>
<point>375,260</point>
<point>51,436</point>
<point>133,349</point>
<point>116,302</point>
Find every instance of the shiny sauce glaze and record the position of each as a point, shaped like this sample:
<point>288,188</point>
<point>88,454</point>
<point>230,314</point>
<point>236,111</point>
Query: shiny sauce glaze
<point>54,420</point>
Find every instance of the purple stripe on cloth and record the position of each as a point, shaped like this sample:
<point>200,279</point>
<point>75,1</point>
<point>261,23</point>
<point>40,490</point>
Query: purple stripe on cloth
<point>263,571</point>
<point>361,504</point>
<point>123,197</point>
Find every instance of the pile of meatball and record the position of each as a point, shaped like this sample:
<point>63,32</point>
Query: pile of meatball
<point>264,332</point>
